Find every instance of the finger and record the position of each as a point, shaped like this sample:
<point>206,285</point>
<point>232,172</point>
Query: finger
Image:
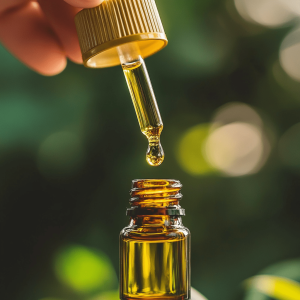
<point>27,35</point>
<point>84,3</point>
<point>60,16</point>
<point>6,4</point>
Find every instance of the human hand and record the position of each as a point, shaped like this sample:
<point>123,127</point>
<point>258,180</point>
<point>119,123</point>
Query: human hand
<point>42,33</point>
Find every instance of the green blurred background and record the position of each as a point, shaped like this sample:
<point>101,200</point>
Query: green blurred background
<point>228,88</point>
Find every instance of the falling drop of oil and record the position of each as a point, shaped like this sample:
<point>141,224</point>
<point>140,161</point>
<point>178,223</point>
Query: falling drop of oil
<point>155,154</point>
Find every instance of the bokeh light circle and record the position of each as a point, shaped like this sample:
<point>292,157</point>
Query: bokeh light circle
<point>110,295</point>
<point>289,55</point>
<point>191,150</point>
<point>234,144</point>
<point>237,112</point>
<point>84,270</point>
<point>50,298</point>
<point>292,5</point>
<point>235,149</point>
<point>270,13</point>
<point>195,295</point>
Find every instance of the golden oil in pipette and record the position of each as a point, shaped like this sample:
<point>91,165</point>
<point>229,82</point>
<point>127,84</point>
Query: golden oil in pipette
<point>146,108</point>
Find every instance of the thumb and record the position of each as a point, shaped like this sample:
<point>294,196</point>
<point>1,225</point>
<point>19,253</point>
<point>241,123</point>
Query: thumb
<point>84,3</point>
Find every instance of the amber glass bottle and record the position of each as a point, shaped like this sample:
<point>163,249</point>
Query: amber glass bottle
<point>155,247</point>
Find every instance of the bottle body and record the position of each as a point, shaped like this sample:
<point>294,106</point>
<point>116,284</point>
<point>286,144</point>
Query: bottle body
<point>155,261</point>
<point>155,256</point>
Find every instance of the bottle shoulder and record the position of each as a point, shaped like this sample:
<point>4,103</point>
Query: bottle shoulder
<point>172,232</point>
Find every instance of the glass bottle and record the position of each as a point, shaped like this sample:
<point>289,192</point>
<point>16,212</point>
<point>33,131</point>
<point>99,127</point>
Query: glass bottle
<point>155,247</point>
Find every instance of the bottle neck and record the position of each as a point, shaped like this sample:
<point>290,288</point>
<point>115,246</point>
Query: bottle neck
<point>156,200</point>
<point>156,221</point>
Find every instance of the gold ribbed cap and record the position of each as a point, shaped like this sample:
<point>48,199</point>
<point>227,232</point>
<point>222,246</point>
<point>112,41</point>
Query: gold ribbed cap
<point>117,22</point>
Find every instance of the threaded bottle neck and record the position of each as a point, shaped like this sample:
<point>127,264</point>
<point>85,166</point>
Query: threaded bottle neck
<point>155,197</point>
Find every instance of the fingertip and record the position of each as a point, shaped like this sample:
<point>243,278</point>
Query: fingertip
<point>76,60</point>
<point>55,68</point>
<point>28,36</point>
<point>60,17</point>
<point>74,54</point>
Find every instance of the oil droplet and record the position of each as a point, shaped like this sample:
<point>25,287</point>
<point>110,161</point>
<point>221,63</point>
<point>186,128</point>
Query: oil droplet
<point>155,154</point>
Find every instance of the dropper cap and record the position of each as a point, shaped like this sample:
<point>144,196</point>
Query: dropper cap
<point>102,29</point>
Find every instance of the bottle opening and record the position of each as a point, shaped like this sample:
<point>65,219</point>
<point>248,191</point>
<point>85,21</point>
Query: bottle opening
<point>155,197</point>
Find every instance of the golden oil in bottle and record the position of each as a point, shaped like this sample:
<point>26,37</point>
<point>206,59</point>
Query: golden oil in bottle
<point>155,247</point>
<point>155,268</point>
<point>146,108</point>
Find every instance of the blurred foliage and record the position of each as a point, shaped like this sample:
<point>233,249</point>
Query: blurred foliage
<point>191,153</point>
<point>276,287</point>
<point>84,270</point>
<point>70,146</point>
<point>50,299</point>
<point>112,295</point>
<point>282,282</point>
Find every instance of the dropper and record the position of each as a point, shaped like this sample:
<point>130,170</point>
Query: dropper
<point>124,32</point>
